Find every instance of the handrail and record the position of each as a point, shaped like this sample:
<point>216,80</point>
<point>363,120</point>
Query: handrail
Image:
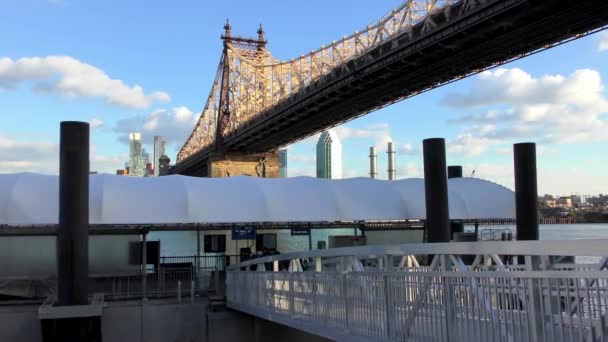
<point>592,248</point>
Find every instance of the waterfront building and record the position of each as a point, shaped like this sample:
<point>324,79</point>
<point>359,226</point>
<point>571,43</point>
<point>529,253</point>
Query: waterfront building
<point>283,163</point>
<point>137,167</point>
<point>564,202</point>
<point>159,150</point>
<point>329,156</point>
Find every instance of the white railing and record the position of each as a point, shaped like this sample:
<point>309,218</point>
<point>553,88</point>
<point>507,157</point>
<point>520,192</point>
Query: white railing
<point>483,291</point>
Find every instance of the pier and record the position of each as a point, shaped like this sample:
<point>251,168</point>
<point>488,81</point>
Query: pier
<point>428,292</point>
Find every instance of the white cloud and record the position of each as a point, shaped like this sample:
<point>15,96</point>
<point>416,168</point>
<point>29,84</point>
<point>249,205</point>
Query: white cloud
<point>603,41</point>
<point>20,156</point>
<point>301,171</point>
<point>407,149</point>
<point>70,77</point>
<point>498,173</point>
<point>380,133</point>
<point>43,157</point>
<point>410,170</point>
<point>517,87</point>
<point>96,123</point>
<point>173,125</point>
<point>551,108</point>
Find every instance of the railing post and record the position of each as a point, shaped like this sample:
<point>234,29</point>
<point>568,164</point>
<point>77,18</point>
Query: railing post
<point>192,291</point>
<point>316,309</point>
<point>535,318</point>
<point>197,261</point>
<point>292,310</point>
<point>389,269</point>
<point>450,301</point>
<point>144,260</point>
<point>179,291</point>
<point>345,292</point>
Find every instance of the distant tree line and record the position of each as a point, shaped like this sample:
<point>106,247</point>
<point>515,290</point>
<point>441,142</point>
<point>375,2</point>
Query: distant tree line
<point>580,216</point>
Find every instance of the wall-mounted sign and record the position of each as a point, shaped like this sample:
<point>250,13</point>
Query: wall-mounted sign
<point>243,233</point>
<point>296,231</point>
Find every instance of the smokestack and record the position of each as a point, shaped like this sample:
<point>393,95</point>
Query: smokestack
<point>392,173</point>
<point>373,162</point>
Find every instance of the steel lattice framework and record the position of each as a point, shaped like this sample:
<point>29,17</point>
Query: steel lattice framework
<point>249,80</point>
<point>258,103</point>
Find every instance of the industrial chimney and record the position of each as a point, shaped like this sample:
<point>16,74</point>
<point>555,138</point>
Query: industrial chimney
<point>373,162</point>
<point>392,173</point>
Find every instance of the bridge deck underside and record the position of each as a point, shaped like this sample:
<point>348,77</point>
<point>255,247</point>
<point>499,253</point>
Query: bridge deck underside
<point>490,35</point>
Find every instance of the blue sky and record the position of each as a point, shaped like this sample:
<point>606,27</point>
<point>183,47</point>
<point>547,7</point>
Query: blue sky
<point>148,66</point>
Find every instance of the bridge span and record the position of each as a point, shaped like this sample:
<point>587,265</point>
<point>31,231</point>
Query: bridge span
<point>467,291</point>
<point>258,103</point>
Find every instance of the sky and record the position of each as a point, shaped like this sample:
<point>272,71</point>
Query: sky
<point>147,66</point>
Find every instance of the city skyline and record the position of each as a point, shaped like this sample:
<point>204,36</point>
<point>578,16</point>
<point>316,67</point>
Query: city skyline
<point>556,98</point>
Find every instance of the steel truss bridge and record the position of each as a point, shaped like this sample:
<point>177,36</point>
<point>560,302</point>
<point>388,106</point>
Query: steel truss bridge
<point>258,103</point>
<point>464,291</point>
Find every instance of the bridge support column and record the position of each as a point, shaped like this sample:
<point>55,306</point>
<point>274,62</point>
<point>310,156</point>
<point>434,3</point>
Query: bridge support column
<point>265,165</point>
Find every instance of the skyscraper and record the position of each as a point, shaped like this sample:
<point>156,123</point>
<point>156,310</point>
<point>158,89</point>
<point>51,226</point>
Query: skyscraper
<point>136,162</point>
<point>329,156</point>
<point>159,150</point>
<point>283,163</point>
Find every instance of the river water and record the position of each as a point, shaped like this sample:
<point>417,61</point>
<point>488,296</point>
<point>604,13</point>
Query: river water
<point>184,243</point>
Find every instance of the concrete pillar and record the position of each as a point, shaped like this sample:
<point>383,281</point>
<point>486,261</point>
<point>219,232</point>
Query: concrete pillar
<point>526,194</point>
<point>436,190</point>
<point>455,171</point>
<point>73,234</point>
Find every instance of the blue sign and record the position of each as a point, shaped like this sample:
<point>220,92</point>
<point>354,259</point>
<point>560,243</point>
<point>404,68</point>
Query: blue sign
<point>243,233</point>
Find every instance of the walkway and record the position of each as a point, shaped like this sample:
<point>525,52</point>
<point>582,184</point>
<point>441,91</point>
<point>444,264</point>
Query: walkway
<point>483,291</point>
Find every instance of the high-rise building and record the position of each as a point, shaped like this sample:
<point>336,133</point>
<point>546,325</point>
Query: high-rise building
<point>137,166</point>
<point>163,165</point>
<point>159,150</point>
<point>329,156</point>
<point>283,163</point>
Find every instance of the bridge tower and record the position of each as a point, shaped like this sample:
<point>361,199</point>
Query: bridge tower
<point>224,114</point>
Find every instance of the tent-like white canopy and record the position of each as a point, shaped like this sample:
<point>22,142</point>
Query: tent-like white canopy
<point>32,199</point>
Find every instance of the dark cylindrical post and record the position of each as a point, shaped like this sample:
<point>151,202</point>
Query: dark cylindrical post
<point>526,195</point>
<point>73,234</point>
<point>455,171</point>
<point>436,190</point>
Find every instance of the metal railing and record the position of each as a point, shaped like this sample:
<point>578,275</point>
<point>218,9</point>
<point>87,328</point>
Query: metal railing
<point>203,262</point>
<point>428,292</point>
<point>496,234</point>
<point>173,276</point>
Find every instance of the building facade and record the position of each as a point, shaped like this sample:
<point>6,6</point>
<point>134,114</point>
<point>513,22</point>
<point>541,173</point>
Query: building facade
<point>283,163</point>
<point>159,150</point>
<point>329,156</point>
<point>137,167</point>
